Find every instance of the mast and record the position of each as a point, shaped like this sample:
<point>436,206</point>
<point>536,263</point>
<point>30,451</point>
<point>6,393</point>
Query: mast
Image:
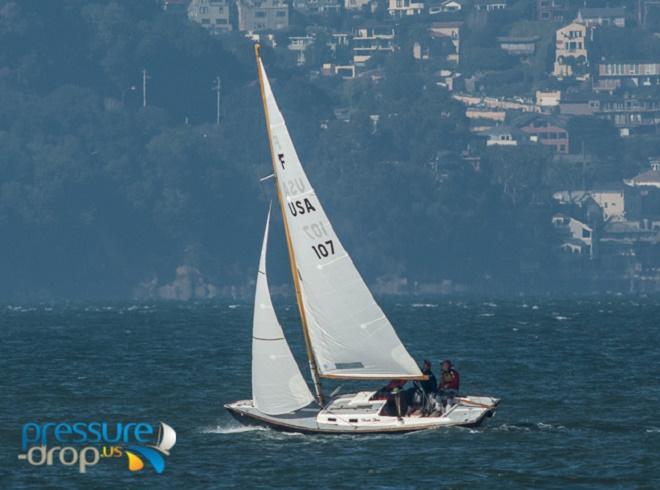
<point>292,259</point>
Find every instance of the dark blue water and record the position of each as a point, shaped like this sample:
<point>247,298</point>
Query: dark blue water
<point>580,383</point>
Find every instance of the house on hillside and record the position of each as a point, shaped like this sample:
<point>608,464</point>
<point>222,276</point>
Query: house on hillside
<point>451,31</point>
<point>614,200</point>
<point>598,17</point>
<point>650,178</point>
<point>578,236</point>
<point>260,15</point>
<point>627,74</point>
<point>355,4</point>
<point>212,15</point>
<point>317,7</point>
<point>628,114</point>
<point>548,98</point>
<point>518,46</point>
<point>299,44</point>
<point>446,6</point>
<point>489,5</point>
<point>571,55</point>
<point>501,136</point>
<point>404,8</point>
<point>368,41</point>
<point>548,130</point>
<point>552,10</point>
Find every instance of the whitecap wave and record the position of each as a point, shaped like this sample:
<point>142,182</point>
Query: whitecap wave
<point>231,429</point>
<point>424,305</point>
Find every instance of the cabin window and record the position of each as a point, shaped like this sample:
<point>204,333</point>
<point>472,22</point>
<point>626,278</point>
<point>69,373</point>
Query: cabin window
<point>353,421</point>
<point>332,419</point>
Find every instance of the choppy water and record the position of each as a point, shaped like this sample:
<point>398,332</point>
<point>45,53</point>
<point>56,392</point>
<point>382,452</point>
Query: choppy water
<point>580,382</point>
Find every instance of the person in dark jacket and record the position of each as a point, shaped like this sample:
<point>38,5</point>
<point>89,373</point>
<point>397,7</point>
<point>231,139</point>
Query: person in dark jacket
<point>393,393</point>
<point>429,385</point>
<point>423,395</point>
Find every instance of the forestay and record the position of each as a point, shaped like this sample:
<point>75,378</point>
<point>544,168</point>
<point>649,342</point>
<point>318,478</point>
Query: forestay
<point>350,335</point>
<point>277,384</point>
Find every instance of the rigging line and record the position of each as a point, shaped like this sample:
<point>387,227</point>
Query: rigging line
<point>269,199</point>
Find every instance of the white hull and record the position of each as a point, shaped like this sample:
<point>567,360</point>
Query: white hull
<point>356,413</point>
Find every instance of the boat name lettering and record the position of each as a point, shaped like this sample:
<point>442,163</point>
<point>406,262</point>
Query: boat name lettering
<point>323,250</point>
<point>301,207</point>
<point>280,158</point>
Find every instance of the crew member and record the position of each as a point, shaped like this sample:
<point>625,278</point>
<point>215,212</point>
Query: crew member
<point>449,384</point>
<point>429,385</point>
<point>392,393</point>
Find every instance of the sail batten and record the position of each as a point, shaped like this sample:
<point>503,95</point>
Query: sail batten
<point>350,336</point>
<point>277,385</point>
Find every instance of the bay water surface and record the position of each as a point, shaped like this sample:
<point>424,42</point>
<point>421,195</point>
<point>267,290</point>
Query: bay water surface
<point>579,382</point>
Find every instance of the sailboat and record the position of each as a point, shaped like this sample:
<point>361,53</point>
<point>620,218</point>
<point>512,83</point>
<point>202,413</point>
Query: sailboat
<point>347,335</point>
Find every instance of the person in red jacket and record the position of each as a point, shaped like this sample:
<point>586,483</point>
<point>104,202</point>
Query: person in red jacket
<point>449,379</point>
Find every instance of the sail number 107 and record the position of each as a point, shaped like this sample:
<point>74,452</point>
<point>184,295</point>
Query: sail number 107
<point>324,249</point>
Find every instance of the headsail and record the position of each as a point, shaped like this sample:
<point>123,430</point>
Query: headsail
<point>277,384</point>
<point>350,335</point>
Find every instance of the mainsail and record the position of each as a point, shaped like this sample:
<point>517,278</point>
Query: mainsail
<point>277,384</point>
<point>350,336</point>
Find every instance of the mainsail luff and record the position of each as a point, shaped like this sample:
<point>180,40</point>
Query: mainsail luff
<point>292,259</point>
<point>349,335</point>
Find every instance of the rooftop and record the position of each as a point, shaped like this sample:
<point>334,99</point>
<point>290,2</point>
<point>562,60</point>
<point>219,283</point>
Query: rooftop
<point>591,13</point>
<point>648,178</point>
<point>518,39</point>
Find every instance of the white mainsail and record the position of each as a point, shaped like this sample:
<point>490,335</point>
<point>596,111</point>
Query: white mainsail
<point>350,335</point>
<point>277,385</point>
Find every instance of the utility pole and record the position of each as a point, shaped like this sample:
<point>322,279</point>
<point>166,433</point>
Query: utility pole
<point>144,87</point>
<point>217,88</point>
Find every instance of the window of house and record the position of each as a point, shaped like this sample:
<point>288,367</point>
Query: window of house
<point>562,148</point>
<point>203,10</point>
<point>220,21</point>
<point>206,21</point>
<point>260,14</point>
<point>586,233</point>
<point>281,13</point>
